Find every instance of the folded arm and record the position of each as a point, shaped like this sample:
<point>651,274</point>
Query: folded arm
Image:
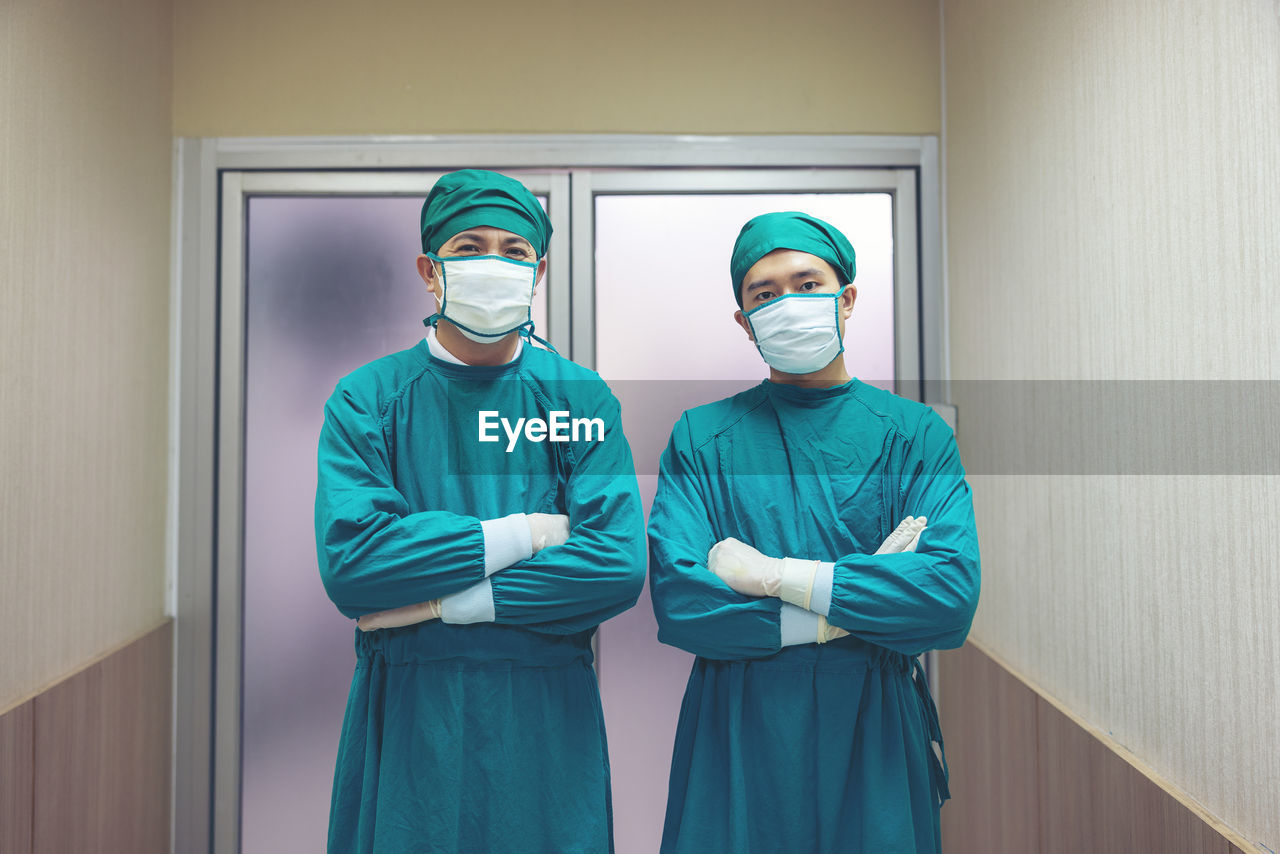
<point>918,591</point>
<point>696,610</point>
<point>575,578</point>
<point>373,552</point>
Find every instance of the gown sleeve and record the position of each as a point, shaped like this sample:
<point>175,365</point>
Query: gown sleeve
<point>696,611</point>
<point>916,601</point>
<point>373,553</point>
<point>599,571</point>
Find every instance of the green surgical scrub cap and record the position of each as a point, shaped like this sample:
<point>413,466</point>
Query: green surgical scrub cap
<point>474,197</point>
<point>789,230</point>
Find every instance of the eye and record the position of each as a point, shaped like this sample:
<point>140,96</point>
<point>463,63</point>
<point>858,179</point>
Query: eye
<point>466,249</point>
<point>764,296</point>
<point>517,252</point>
<point>808,286</point>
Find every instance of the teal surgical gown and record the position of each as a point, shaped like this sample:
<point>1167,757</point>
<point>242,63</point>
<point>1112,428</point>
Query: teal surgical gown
<point>486,736</point>
<point>807,747</point>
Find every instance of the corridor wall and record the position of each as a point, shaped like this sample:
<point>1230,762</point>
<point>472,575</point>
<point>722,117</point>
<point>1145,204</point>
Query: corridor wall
<point>1113,189</point>
<point>85,646</point>
<point>84,332</point>
<point>245,68</point>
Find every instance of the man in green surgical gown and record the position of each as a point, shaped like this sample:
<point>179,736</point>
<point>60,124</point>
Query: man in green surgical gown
<point>479,552</point>
<point>809,539</point>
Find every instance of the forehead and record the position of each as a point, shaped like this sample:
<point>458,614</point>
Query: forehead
<point>490,234</point>
<point>786,263</point>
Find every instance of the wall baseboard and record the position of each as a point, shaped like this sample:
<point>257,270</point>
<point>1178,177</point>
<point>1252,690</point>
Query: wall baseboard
<point>1029,776</point>
<point>84,765</point>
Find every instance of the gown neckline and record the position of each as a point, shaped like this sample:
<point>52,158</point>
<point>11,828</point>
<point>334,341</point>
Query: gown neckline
<point>467,372</point>
<point>811,396</point>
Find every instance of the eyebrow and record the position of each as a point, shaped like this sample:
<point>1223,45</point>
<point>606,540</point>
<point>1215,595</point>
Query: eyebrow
<point>506,241</point>
<point>799,274</point>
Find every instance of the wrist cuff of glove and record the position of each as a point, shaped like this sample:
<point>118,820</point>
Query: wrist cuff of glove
<point>506,541</point>
<point>797,581</point>
<point>472,605</point>
<point>823,579</point>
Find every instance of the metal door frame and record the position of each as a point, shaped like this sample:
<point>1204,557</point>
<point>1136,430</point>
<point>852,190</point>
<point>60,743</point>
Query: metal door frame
<point>212,179</point>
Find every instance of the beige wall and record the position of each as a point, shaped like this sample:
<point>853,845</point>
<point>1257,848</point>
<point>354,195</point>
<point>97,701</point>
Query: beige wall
<point>1113,199</point>
<point>84,230</point>
<point>248,67</point>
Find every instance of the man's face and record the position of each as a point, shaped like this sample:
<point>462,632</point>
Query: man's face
<point>789,271</point>
<point>481,240</point>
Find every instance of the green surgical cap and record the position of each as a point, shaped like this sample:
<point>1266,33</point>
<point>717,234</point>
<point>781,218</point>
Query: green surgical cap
<point>789,230</point>
<point>470,198</point>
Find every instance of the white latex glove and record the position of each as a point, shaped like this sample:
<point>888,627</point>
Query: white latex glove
<point>745,569</point>
<point>547,529</point>
<point>905,537</point>
<point>751,573</point>
<point>828,632</point>
<point>404,616</point>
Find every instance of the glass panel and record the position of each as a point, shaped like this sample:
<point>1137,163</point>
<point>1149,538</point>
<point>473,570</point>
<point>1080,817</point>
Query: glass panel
<point>331,285</point>
<point>668,257</point>
<point>664,333</point>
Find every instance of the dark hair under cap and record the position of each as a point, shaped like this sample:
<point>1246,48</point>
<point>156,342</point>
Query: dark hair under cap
<point>470,198</point>
<point>789,230</point>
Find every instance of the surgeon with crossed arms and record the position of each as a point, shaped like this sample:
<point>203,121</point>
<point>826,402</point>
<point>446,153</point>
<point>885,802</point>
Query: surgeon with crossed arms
<point>478,569</point>
<point>809,539</point>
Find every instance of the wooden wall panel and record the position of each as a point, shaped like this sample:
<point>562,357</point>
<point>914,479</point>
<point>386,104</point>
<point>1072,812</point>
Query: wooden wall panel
<point>1161,822</point>
<point>136,746</point>
<point>68,762</point>
<point>100,761</point>
<point>15,780</point>
<point>1027,776</point>
<point>1093,799</point>
<point>994,802</point>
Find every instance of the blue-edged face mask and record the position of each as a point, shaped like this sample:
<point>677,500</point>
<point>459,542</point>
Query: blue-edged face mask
<point>486,296</point>
<point>798,333</point>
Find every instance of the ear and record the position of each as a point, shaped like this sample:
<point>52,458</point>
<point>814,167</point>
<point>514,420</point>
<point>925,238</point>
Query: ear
<point>847,299</point>
<point>542,271</point>
<point>746,327</point>
<point>427,271</point>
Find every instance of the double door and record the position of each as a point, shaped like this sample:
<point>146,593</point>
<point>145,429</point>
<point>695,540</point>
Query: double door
<point>318,277</point>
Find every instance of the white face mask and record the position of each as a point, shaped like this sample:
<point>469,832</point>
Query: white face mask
<point>798,333</point>
<point>486,296</point>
